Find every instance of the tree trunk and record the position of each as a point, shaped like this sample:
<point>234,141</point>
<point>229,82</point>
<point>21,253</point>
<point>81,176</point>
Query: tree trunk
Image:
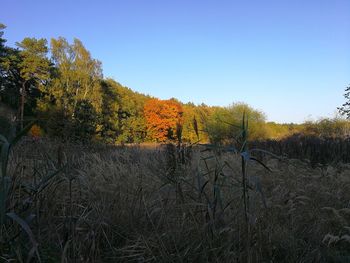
<point>23,95</point>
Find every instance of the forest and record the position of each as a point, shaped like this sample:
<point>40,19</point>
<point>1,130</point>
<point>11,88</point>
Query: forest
<point>62,87</point>
<point>92,171</point>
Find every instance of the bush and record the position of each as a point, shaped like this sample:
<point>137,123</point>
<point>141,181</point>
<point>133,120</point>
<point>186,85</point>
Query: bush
<point>36,131</point>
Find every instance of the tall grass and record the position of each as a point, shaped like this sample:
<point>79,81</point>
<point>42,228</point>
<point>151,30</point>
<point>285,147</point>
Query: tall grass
<point>18,201</point>
<point>183,203</point>
<point>317,150</point>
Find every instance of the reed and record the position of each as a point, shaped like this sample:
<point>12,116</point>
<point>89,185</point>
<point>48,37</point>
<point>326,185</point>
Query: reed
<point>73,202</point>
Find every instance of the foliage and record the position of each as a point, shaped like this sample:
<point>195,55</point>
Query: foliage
<point>200,114</point>
<point>162,118</point>
<point>345,108</point>
<point>131,120</point>
<point>52,89</point>
<point>84,120</point>
<point>76,77</point>
<point>225,122</point>
<point>34,69</point>
<point>277,131</point>
<point>35,131</point>
<point>111,102</point>
<point>327,128</point>
<point>9,73</point>
<point>34,64</point>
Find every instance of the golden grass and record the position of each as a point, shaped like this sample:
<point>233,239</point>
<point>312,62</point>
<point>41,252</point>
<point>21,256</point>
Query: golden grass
<point>134,204</point>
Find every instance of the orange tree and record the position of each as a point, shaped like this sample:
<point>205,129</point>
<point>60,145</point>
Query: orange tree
<point>162,118</point>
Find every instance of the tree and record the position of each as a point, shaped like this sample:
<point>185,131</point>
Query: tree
<point>162,118</point>
<point>111,102</point>
<point>224,123</point>
<point>2,45</point>
<point>345,108</point>
<point>198,114</point>
<point>34,68</point>
<point>85,120</point>
<point>76,78</point>
<point>10,79</point>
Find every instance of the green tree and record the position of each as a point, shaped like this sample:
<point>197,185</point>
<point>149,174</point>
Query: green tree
<point>2,47</point>
<point>77,77</point>
<point>34,68</point>
<point>85,120</point>
<point>199,114</point>
<point>111,101</point>
<point>131,120</point>
<point>10,79</point>
<point>224,123</point>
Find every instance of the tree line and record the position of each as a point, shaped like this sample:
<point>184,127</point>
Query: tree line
<point>62,86</point>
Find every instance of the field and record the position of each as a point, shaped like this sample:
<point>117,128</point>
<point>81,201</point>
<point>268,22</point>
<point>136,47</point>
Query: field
<point>77,203</point>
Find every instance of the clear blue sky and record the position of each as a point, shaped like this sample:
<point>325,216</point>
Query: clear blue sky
<point>288,58</point>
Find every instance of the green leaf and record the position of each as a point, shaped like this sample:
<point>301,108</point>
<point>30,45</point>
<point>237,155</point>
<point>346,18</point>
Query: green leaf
<point>261,163</point>
<point>29,232</point>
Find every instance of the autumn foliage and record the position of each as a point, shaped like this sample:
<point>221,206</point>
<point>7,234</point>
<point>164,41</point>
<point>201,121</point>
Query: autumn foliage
<point>36,131</point>
<point>162,118</point>
<point>65,91</point>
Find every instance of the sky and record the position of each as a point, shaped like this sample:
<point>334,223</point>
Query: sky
<point>287,58</point>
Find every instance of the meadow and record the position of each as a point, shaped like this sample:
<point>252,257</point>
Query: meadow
<point>70,202</point>
<point>151,152</point>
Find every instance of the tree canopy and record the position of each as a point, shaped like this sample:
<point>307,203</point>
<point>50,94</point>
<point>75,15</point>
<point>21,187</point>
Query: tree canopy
<point>162,119</point>
<point>63,87</point>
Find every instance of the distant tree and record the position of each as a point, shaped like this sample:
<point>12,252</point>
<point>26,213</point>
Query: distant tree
<point>326,128</point>
<point>2,43</point>
<point>224,123</point>
<point>10,78</point>
<point>125,120</point>
<point>278,131</point>
<point>2,40</point>
<point>162,118</point>
<point>111,103</point>
<point>345,108</point>
<point>76,78</point>
<point>85,120</point>
<point>198,114</point>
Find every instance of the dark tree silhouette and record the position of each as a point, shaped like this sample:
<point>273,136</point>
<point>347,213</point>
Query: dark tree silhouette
<point>345,108</point>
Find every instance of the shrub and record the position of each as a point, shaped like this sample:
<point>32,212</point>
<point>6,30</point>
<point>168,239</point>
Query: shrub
<point>36,131</point>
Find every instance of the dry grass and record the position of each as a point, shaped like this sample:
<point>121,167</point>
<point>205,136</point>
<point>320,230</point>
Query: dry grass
<point>138,204</point>
<point>319,150</point>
